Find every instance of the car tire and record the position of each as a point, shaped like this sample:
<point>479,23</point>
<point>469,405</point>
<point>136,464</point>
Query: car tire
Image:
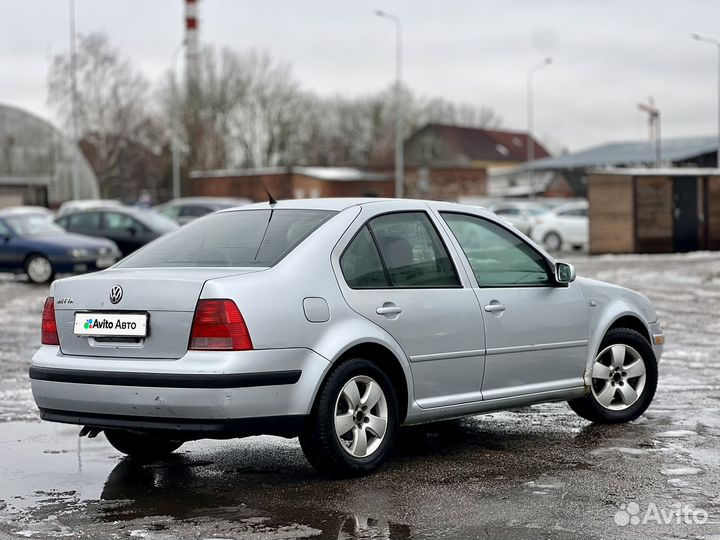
<point>552,241</point>
<point>624,367</point>
<point>344,434</point>
<point>39,269</point>
<point>141,446</point>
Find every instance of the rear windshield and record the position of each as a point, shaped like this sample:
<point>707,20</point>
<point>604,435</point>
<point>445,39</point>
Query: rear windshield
<point>241,238</point>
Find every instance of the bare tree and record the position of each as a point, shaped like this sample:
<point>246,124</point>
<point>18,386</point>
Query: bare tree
<point>111,103</point>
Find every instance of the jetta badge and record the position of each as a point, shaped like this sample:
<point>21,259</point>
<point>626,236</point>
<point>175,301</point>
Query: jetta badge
<point>116,294</point>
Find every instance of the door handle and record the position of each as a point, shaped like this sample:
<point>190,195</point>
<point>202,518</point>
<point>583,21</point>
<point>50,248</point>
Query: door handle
<point>388,309</point>
<point>494,307</point>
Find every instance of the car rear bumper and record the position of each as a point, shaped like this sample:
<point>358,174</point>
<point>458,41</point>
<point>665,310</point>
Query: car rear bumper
<point>190,428</point>
<point>217,393</point>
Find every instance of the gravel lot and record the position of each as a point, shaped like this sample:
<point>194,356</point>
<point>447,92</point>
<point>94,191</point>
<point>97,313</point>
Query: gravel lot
<point>537,472</point>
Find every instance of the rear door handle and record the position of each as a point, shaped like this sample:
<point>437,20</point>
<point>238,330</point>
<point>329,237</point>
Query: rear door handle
<point>389,309</point>
<point>494,307</point>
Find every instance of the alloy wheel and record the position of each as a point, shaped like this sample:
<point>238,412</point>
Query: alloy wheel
<point>361,416</point>
<point>618,377</point>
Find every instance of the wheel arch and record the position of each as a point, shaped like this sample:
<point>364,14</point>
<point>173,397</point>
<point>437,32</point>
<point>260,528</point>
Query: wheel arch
<point>624,318</point>
<point>633,322</point>
<point>389,363</point>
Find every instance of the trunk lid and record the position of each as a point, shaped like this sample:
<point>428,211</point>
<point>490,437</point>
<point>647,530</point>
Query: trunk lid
<point>167,295</point>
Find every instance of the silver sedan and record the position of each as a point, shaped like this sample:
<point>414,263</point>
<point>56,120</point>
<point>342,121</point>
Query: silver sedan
<point>338,321</point>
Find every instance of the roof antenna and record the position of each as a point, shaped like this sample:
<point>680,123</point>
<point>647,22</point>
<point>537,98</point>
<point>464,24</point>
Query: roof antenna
<point>271,199</point>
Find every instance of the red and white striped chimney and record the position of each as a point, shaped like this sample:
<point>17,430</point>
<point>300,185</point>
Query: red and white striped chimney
<point>192,52</point>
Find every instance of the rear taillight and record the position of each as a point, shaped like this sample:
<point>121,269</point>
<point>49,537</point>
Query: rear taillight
<point>218,325</point>
<point>49,327</point>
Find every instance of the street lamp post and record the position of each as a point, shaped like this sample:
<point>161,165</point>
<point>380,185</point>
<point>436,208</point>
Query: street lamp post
<point>715,42</point>
<point>174,142</point>
<point>75,185</point>
<point>399,139</point>
<point>530,141</point>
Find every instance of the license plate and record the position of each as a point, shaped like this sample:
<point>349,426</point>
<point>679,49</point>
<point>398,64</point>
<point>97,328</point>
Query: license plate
<point>111,324</point>
<point>104,262</point>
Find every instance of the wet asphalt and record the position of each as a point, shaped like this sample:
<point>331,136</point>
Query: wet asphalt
<point>536,472</point>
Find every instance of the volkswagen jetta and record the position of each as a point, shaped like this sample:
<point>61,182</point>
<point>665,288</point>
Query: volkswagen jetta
<point>338,321</point>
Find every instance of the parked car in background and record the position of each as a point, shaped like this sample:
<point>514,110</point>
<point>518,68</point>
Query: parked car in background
<point>521,215</point>
<point>564,226</point>
<point>32,244</point>
<point>130,228</point>
<point>186,209</point>
<point>29,210</point>
<point>86,204</point>
<point>338,321</point>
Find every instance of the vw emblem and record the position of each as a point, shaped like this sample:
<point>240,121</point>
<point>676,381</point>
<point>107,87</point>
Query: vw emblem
<point>116,294</point>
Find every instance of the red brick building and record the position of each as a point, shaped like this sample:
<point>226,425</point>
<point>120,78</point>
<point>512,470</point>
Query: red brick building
<point>442,183</point>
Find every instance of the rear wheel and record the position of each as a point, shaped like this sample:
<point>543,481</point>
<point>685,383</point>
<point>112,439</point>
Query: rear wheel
<point>354,420</point>
<point>39,269</point>
<point>140,445</point>
<point>624,378</point>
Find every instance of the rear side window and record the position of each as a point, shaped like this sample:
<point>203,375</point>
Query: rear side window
<point>405,247</point>
<point>226,239</point>
<point>361,264</point>
<point>195,211</point>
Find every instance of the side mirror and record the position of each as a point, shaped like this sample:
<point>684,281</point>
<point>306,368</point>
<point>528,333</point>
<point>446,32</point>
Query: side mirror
<point>5,238</point>
<point>564,273</point>
<point>132,231</point>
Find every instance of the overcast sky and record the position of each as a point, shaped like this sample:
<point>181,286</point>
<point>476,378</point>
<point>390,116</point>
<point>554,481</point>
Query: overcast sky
<point>609,54</point>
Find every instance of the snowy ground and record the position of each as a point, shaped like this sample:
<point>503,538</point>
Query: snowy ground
<point>539,472</point>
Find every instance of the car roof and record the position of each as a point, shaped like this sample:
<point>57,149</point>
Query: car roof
<point>132,210</point>
<point>190,200</point>
<point>339,204</point>
<point>24,210</point>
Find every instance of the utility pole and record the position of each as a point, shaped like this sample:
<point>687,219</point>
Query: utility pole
<point>175,145</point>
<point>653,125</point>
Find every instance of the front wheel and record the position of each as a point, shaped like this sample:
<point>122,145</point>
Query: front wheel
<point>141,446</point>
<point>39,269</point>
<point>552,241</point>
<point>623,381</point>
<point>354,420</point>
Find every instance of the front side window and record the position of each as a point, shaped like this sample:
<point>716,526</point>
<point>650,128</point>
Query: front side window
<point>257,238</point>
<point>575,212</point>
<point>84,220</point>
<point>411,254</point>
<point>498,258</point>
<point>116,221</point>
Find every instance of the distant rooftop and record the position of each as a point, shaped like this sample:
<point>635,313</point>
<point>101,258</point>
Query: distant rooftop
<point>451,144</point>
<point>630,153</point>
